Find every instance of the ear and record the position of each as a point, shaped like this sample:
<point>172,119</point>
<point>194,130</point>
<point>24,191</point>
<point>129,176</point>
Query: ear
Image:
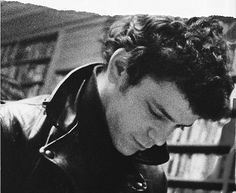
<point>117,66</point>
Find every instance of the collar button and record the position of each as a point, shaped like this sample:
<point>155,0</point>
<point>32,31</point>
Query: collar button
<point>140,186</point>
<point>49,154</point>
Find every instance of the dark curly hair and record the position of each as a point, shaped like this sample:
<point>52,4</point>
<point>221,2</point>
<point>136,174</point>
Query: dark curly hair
<point>189,52</point>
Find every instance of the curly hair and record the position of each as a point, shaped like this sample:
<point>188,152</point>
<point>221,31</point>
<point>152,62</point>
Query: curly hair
<point>189,52</point>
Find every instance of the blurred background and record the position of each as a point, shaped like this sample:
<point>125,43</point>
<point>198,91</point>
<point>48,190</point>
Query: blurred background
<point>40,45</point>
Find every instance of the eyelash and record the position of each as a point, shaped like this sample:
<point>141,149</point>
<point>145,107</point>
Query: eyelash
<point>154,113</point>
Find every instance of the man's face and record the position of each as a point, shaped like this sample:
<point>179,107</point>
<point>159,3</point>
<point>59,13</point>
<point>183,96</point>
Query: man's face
<point>145,114</point>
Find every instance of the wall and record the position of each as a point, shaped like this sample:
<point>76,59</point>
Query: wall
<point>78,40</point>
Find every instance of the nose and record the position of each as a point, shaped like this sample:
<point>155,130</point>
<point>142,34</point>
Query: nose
<point>159,136</point>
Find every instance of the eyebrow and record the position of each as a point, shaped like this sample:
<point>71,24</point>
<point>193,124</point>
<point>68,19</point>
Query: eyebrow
<point>168,116</point>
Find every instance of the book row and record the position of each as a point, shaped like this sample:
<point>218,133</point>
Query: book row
<point>13,92</point>
<point>192,166</point>
<point>201,132</point>
<point>187,190</point>
<point>25,73</point>
<point>31,51</point>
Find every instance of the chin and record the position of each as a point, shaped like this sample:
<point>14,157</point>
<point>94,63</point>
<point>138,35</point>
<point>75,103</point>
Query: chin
<point>124,147</point>
<point>126,151</point>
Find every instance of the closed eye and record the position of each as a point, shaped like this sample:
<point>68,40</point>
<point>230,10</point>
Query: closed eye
<point>155,114</point>
<point>182,127</point>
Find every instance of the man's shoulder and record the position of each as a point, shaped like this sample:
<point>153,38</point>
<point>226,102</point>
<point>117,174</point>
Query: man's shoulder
<point>21,116</point>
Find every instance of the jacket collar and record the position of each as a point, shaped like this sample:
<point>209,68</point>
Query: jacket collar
<point>67,92</point>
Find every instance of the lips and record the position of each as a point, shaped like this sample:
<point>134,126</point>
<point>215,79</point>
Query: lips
<point>140,145</point>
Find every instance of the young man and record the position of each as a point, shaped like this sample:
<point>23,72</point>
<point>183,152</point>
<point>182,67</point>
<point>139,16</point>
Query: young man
<point>104,127</point>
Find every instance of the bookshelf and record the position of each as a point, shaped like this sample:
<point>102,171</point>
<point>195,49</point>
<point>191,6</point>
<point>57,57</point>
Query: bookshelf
<point>24,65</point>
<point>199,161</point>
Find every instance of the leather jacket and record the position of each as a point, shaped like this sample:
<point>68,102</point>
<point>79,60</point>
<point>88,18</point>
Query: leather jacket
<point>60,143</point>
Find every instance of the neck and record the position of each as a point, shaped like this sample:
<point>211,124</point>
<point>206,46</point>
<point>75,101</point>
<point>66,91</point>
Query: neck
<point>104,87</point>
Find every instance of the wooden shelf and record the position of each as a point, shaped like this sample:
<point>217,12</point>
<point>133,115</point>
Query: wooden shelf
<point>6,64</point>
<point>33,61</point>
<point>195,184</point>
<point>29,84</point>
<point>206,149</point>
<point>42,38</point>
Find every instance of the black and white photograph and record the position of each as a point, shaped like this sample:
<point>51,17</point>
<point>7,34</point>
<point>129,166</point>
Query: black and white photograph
<point>125,96</point>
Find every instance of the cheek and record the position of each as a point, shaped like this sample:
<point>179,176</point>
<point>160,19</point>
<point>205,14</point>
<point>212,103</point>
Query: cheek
<point>136,115</point>
<point>135,119</point>
<point>116,119</point>
<point>126,120</point>
<point>128,115</point>
<point>120,133</point>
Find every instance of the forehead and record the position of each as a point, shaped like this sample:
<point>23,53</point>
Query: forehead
<point>166,95</point>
